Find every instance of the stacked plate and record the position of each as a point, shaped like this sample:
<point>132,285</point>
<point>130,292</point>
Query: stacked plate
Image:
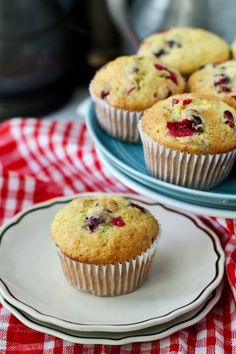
<point>184,283</point>
<point>126,162</point>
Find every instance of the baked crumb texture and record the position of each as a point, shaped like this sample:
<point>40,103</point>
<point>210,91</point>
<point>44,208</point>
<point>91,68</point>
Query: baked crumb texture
<point>186,49</point>
<point>192,123</point>
<point>189,140</point>
<point>103,230</point>
<point>136,82</point>
<point>216,79</point>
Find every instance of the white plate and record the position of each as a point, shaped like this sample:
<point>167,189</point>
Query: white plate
<point>143,335</point>
<point>189,265</point>
<point>150,193</point>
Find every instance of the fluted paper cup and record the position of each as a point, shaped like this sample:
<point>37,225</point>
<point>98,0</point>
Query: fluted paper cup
<point>185,169</point>
<point>119,123</point>
<point>111,279</point>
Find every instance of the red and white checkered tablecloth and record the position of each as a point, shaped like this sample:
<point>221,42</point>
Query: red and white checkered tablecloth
<point>42,159</point>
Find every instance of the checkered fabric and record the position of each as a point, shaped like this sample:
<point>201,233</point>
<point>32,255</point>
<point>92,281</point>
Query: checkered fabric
<point>42,159</point>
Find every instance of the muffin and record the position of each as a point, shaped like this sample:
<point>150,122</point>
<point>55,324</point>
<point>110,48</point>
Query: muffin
<point>185,49</point>
<point>216,79</point>
<point>190,140</point>
<point>233,49</point>
<point>125,87</point>
<point>105,243</point>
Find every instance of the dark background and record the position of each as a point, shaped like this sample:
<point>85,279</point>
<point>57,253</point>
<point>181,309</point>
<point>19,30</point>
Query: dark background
<point>50,48</point>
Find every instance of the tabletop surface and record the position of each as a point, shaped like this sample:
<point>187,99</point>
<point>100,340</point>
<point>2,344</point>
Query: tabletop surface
<point>45,158</point>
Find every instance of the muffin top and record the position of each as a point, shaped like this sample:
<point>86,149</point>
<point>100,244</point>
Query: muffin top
<point>103,229</point>
<point>136,82</point>
<point>216,79</point>
<point>192,123</point>
<point>186,49</point>
<point>233,48</point>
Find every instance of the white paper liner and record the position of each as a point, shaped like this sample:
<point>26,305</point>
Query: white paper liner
<point>111,279</point>
<point>185,169</point>
<point>119,123</point>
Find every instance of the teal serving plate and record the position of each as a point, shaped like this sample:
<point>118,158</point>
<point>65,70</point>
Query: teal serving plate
<point>129,159</point>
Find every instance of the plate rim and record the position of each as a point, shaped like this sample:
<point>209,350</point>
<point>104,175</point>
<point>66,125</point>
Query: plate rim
<point>171,193</point>
<point>91,327</point>
<point>204,310</point>
<point>90,116</point>
<point>142,189</point>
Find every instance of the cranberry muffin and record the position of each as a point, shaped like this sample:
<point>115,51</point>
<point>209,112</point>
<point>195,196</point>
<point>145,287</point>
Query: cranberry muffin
<point>185,49</point>
<point>216,79</point>
<point>125,87</point>
<point>190,140</point>
<point>105,241</point>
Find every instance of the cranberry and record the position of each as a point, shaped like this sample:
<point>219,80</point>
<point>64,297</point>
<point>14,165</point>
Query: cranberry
<point>160,67</point>
<point>186,101</point>
<point>229,119</point>
<point>222,83</point>
<point>171,43</point>
<point>234,97</point>
<point>196,121</point>
<point>181,129</point>
<point>134,205</point>
<point>131,89</point>
<point>104,94</point>
<point>175,101</point>
<point>184,128</point>
<point>118,221</point>
<point>194,116</point>
<point>225,89</point>
<point>93,222</point>
<point>173,77</point>
<point>223,79</point>
<point>159,53</point>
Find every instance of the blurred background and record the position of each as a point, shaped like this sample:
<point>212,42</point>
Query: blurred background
<point>50,49</point>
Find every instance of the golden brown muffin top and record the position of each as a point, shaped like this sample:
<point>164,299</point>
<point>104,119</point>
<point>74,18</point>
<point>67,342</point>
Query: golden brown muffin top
<point>192,123</point>
<point>216,79</point>
<point>103,229</point>
<point>135,82</point>
<point>186,49</point>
